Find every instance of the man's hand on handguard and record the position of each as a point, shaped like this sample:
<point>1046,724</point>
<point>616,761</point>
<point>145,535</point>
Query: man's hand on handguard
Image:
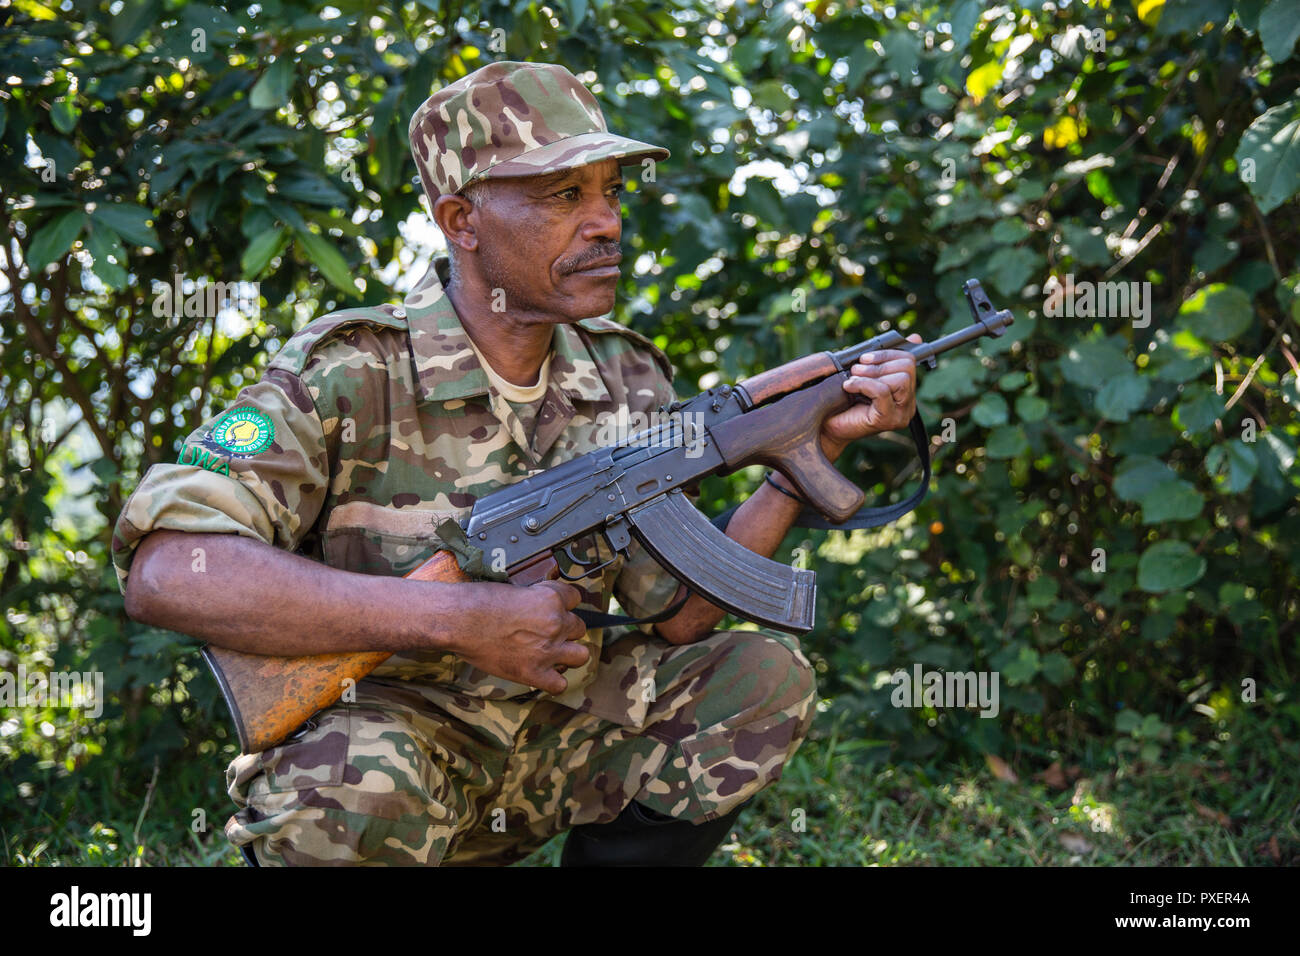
<point>888,379</point>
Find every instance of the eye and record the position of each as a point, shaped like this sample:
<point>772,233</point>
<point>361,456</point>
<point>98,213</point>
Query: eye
<point>571,193</point>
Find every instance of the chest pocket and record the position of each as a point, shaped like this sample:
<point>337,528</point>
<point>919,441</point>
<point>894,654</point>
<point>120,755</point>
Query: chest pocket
<point>372,539</point>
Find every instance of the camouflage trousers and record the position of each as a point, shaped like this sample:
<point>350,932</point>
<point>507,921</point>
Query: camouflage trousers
<point>423,774</point>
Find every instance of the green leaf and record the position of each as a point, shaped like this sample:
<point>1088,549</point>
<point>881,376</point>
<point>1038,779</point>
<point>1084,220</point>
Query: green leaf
<point>1022,669</point>
<point>54,239</point>
<point>1237,460</point>
<point>1279,28</point>
<point>1009,231</point>
<point>902,52</point>
<point>128,23</point>
<point>990,410</point>
<point>1008,441</point>
<point>1190,16</point>
<point>63,114</point>
<point>1057,668</point>
<point>309,188</point>
<point>1199,408</point>
<point>264,247</point>
<point>102,243</point>
<point>955,378</point>
<point>1180,368</point>
<point>1268,156</point>
<point>771,95</point>
<point>965,15</point>
<point>1168,566</point>
<point>1092,364</point>
<point>1139,475</point>
<point>577,10</point>
<point>1176,500</point>
<point>764,202</point>
<point>1121,396</point>
<point>932,98</point>
<point>1217,313</point>
<point>129,221</point>
<point>1031,408</point>
<point>1010,267</point>
<point>272,90</point>
<point>329,260</point>
<point>1087,246</point>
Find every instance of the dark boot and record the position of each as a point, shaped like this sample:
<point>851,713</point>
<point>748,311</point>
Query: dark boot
<point>641,837</point>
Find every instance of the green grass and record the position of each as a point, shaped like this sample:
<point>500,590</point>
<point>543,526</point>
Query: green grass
<point>1231,801</point>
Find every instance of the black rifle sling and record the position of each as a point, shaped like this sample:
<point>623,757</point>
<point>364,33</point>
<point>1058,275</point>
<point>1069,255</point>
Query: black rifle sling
<point>808,518</point>
<point>601,619</point>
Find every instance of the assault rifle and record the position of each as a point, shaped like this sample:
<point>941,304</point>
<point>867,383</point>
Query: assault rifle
<point>634,490</point>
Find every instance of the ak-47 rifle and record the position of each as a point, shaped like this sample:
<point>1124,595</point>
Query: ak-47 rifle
<point>635,490</point>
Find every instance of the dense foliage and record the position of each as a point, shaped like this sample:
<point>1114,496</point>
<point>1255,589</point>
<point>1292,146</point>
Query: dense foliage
<point>1113,523</point>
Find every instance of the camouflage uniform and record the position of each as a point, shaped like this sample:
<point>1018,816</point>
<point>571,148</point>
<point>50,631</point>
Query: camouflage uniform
<point>368,429</point>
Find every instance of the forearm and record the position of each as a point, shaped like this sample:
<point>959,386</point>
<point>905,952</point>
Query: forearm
<point>760,524</point>
<point>255,598</point>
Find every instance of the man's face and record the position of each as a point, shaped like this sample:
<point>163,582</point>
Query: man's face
<point>551,242</point>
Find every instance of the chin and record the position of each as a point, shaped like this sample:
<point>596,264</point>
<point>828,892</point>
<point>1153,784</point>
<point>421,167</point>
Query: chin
<point>593,307</point>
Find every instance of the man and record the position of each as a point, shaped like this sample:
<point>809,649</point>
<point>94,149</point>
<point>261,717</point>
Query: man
<point>500,720</point>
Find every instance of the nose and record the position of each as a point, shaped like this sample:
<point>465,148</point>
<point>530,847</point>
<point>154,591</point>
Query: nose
<point>602,219</point>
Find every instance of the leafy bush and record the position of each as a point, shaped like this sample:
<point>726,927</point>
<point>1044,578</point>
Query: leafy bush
<point>1113,524</point>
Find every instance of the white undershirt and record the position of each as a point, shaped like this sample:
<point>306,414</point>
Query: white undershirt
<point>522,394</point>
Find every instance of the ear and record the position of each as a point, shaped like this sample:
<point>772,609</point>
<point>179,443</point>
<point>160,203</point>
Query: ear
<point>455,216</point>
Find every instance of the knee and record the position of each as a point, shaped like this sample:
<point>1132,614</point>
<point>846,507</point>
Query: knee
<point>782,678</point>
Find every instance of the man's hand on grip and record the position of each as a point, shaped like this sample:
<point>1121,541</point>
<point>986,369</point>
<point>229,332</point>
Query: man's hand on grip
<point>527,634</point>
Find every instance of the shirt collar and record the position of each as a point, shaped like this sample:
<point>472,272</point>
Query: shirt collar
<point>446,367</point>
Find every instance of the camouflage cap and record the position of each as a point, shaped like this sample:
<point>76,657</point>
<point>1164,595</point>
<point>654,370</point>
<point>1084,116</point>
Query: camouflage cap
<point>513,119</point>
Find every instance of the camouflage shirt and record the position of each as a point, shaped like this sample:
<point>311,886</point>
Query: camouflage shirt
<point>372,425</point>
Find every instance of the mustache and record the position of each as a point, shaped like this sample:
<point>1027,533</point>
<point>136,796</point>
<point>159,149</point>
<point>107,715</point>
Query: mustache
<point>601,250</point>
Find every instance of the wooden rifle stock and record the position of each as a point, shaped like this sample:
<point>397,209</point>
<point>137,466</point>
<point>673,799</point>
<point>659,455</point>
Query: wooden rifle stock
<point>270,697</point>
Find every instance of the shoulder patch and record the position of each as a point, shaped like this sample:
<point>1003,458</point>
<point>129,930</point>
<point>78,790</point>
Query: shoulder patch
<point>602,326</point>
<point>315,333</point>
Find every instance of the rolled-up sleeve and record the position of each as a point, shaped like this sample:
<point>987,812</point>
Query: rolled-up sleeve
<point>258,469</point>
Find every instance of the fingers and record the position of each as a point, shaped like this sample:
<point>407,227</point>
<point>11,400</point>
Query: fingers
<point>549,681</point>
<point>887,355</point>
<point>875,389</point>
<point>569,595</point>
<point>898,388</point>
<point>564,656</point>
<point>572,655</point>
<point>893,367</point>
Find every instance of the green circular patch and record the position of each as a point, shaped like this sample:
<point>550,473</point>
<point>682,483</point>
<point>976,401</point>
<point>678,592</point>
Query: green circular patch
<point>244,431</point>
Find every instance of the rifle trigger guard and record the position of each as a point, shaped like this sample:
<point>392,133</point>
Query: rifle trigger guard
<point>587,570</point>
<point>617,539</point>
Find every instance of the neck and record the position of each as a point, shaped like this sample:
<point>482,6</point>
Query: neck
<point>515,349</point>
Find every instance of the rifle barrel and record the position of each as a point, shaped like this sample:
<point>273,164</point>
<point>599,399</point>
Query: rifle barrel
<point>995,325</point>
